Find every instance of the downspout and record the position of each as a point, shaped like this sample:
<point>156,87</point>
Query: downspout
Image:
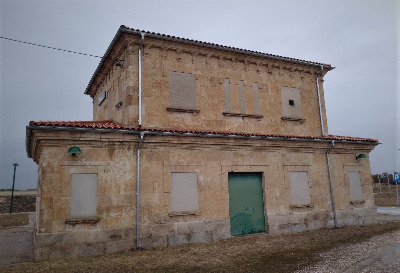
<point>331,185</point>
<point>138,190</point>
<point>140,78</point>
<point>319,102</point>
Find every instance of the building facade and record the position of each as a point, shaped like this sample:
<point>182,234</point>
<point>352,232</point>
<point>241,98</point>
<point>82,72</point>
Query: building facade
<point>194,142</point>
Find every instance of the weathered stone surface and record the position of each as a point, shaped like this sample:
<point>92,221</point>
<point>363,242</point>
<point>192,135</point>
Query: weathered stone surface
<point>91,250</point>
<point>200,237</point>
<point>231,92</point>
<point>49,239</point>
<point>119,246</point>
<point>298,227</point>
<point>154,242</point>
<point>178,239</point>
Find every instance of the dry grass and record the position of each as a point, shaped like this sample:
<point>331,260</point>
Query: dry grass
<point>253,253</point>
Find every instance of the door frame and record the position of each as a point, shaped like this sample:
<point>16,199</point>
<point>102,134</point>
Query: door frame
<point>263,169</point>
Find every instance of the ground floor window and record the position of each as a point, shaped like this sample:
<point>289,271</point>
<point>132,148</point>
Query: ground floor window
<point>299,188</point>
<point>356,193</point>
<point>83,202</point>
<point>184,192</point>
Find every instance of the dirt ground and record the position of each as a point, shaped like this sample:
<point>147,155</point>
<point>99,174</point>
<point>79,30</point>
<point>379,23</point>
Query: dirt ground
<point>251,253</point>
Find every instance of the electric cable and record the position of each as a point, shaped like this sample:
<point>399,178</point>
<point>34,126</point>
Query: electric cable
<point>55,48</point>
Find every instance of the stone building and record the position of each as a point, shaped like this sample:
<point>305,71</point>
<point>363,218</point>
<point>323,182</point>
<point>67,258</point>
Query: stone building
<point>194,142</point>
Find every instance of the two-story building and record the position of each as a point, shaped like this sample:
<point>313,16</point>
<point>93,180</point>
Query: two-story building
<point>194,142</point>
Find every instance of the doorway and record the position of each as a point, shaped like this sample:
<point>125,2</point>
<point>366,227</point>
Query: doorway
<point>246,204</point>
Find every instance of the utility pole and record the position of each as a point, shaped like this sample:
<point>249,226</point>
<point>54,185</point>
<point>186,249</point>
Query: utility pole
<point>12,189</point>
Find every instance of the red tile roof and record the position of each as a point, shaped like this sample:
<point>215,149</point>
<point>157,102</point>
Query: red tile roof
<point>111,125</point>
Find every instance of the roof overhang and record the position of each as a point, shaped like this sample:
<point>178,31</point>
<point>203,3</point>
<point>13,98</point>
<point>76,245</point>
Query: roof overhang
<point>112,127</point>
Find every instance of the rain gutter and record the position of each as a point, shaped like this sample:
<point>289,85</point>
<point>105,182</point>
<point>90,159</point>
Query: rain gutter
<point>319,102</point>
<point>331,184</point>
<point>138,191</point>
<point>140,78</point>
<point>151,132</point>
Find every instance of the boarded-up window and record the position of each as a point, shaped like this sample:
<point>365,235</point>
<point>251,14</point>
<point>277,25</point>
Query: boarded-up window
<point>184,195</point>
<point>240,99</point>
<point>356,193</point>
<point>83,201</point>
<point>182,91</point>
<point>291,103</point>
<point>299,188</point>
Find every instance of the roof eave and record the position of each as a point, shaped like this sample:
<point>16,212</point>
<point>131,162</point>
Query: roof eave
<point>103,59</point>
<point>182,133</point>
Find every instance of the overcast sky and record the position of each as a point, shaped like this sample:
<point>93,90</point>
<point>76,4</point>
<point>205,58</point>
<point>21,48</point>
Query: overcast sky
<point>359,38</point>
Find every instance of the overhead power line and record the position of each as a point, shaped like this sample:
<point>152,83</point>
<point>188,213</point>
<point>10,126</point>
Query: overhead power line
<point>55,48</point>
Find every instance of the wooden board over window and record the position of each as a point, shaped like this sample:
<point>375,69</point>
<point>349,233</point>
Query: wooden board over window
<point>299,188</point>
<point>291,103</point>
<point>184,194</point>
<point>182,91</point>
<point>356,193</point>
<point>83,202</point>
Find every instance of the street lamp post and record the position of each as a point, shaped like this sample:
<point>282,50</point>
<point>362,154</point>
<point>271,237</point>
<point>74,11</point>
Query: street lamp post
<point>12,189</point>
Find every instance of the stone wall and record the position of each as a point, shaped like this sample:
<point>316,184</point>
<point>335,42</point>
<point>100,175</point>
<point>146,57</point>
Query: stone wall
<point>74,244</point>
<point>112,156</point>
<point>234,92</point>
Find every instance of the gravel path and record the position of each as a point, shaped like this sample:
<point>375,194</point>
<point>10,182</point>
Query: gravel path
<point>378,254</point>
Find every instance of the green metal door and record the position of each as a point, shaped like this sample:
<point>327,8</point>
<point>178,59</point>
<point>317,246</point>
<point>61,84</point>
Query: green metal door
<point>246,205</point>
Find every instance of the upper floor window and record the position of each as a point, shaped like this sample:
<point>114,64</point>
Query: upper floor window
<point>241,100</point>
<point>291,103</point>
<point>101,98</point>
<point>182,92</point>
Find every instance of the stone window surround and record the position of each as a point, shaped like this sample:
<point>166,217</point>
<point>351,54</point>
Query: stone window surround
<point>178,76</point>
<point>79,167</point>
<point>298,168</point>
<point>353,168</point>
<point>181,168</point>
<point>291,104</point>
<point>226,83</point>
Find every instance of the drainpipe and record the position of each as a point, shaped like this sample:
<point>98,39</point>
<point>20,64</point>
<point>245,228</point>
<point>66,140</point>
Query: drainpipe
<point>319,102</point>
<point>331,185</point>
<point>140,78</point>
<point>138,190</point>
